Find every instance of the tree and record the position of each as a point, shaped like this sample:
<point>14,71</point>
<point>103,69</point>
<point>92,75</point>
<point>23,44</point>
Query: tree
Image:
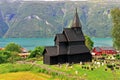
<point>36,52</point>
<point>4,56</point>
<point>89,43</point>
<point>14,57</point>
<point>13,47</point>
<point>115,13</point>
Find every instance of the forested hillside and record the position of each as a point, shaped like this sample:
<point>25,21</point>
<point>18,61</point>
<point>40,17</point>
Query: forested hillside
<point>45,19</point>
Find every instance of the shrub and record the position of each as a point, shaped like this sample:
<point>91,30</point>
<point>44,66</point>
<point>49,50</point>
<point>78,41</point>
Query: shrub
<point>4,55</point>
<point>13,47</point>
<point>117,56</point>
<point>104,55</point>
<point>110,66</point>
<point>117,67</point>
<point>37,52</point>
<point>14,57</point>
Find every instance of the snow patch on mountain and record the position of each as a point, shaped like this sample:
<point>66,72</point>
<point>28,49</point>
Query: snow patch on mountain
<point>46,22</point>
<point>33,17</point>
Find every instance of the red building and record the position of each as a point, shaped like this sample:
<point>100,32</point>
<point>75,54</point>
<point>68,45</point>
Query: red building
<point>104,50</point>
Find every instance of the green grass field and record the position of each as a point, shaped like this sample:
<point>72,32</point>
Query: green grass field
<point>40,71</point>
<point>17,71</point>
<point>97,74</point>
<point>24,76</point>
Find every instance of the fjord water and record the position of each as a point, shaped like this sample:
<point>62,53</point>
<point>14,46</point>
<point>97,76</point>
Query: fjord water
<point>31,43</point>
<point>28,43</point>
<point>102,42</point>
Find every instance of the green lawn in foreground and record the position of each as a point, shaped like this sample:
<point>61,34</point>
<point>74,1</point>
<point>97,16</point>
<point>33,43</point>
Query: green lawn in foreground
<point>24,76</point>
<point>8,69</point>
<point>96,74</point>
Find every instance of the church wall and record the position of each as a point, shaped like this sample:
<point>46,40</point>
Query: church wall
<point>62,48</point>
<point>77,43</point>
<point>53,60</point>
<point>62,58</point>
<point>46,59</point>
<point>82,57</point>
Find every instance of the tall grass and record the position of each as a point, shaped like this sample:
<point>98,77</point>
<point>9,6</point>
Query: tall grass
<point>8,67</point>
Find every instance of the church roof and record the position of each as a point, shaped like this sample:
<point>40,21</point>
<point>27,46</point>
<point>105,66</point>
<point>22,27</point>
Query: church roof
<point>51,51</point>
<point>76,21</point>
<point>60,38</point>
<point>77,49</point>
<point>73,34</point>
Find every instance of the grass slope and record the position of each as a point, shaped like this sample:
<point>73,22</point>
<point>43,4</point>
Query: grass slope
<point>24,76</point>
<point>97,74</point>
<point>38,71</point>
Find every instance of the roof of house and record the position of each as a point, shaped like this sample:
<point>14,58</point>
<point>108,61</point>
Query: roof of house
<point>98,49</point>
<point>104,48</point>
<point>107,48</point>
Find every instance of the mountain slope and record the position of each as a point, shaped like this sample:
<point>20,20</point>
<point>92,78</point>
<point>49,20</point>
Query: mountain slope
<point>45,19</point>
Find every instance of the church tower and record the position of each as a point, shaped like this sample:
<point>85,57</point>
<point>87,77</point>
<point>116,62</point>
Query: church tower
<point>76,21</point>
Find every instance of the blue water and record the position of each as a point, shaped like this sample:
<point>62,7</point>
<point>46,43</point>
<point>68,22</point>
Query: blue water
<point>28,43</point>
<point>104,42</point>
<point>31,43</point>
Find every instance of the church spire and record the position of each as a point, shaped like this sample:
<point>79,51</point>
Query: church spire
<point>76,21</point>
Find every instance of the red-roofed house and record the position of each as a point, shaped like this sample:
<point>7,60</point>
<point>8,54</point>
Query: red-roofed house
<point>104,50</point>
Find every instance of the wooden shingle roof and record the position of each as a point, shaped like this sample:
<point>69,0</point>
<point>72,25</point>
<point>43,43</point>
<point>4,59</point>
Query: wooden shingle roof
<point>76,21</point>
<point>51,51</point>
<point>77,49</point>
<point>73,34</point>
<point>60,38</point>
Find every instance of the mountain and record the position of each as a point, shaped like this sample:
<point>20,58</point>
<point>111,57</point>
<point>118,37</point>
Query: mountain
<point>45,19</point>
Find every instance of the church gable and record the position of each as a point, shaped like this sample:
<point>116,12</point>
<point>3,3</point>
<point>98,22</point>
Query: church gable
<point>60,38</point>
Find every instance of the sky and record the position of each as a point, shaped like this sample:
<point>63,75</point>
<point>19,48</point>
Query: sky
<point>54,0</point>
<point>72,0</point>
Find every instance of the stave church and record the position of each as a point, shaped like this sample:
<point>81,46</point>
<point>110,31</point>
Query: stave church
<point>69,46</point>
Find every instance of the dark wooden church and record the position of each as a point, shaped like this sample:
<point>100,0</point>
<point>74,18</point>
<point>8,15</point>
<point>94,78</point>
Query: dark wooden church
<point>69,46</point>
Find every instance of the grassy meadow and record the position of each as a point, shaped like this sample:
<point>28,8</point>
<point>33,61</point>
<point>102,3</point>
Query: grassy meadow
<point>17,71</point>
<point>40,71</point>
<point>24,76</point>
<point>85,72</point>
